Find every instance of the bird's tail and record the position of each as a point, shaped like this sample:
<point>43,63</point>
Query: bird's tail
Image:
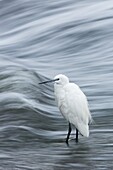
<point>91,120</point>
<point>83,129</point>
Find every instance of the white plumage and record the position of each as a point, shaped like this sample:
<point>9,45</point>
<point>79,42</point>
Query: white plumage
<point>73,105</point>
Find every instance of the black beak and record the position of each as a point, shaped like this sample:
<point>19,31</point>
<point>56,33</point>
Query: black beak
<point>49,81</point>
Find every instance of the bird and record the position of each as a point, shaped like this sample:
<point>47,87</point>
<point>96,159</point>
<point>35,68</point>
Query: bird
<point>73,105</point>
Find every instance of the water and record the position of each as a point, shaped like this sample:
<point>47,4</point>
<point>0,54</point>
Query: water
<point>38,40</point>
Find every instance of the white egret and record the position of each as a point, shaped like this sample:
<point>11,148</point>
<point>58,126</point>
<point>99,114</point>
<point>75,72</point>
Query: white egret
<point>73,105</point>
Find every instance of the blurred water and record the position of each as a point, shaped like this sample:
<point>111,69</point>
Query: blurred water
<point>39,39</point>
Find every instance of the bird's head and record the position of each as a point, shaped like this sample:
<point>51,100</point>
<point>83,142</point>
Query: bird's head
<point>61,79</point>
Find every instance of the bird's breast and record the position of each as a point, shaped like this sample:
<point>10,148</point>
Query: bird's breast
<point>60,96</point>
<point>59,93</point>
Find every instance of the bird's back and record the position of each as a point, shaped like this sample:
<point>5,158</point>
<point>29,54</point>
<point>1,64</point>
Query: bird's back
<point>73,105</point>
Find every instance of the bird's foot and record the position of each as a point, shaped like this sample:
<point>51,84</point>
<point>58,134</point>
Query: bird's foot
<point>67,142</point>
<point>76,140</point>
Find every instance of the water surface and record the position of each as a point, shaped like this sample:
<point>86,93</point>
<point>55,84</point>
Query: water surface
<point>38,40</point>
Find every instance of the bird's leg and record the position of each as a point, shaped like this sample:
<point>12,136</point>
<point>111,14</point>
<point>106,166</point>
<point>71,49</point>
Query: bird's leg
<point>69,132</point>
<point>76,135</point>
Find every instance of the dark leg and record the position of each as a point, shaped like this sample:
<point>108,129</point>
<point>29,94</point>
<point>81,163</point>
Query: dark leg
<point>76,135</point>
<point>69,132</point>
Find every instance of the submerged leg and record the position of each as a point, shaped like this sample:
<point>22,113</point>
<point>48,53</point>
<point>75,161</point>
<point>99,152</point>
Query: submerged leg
<point>69,132</point>
<point>76,135</point>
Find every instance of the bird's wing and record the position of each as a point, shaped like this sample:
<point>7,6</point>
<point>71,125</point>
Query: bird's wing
<point>75,109</point>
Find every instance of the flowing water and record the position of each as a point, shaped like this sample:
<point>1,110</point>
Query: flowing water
<point>38,40</point>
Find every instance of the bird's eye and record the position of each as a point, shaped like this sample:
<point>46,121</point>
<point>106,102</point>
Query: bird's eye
<point>57,79</point>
